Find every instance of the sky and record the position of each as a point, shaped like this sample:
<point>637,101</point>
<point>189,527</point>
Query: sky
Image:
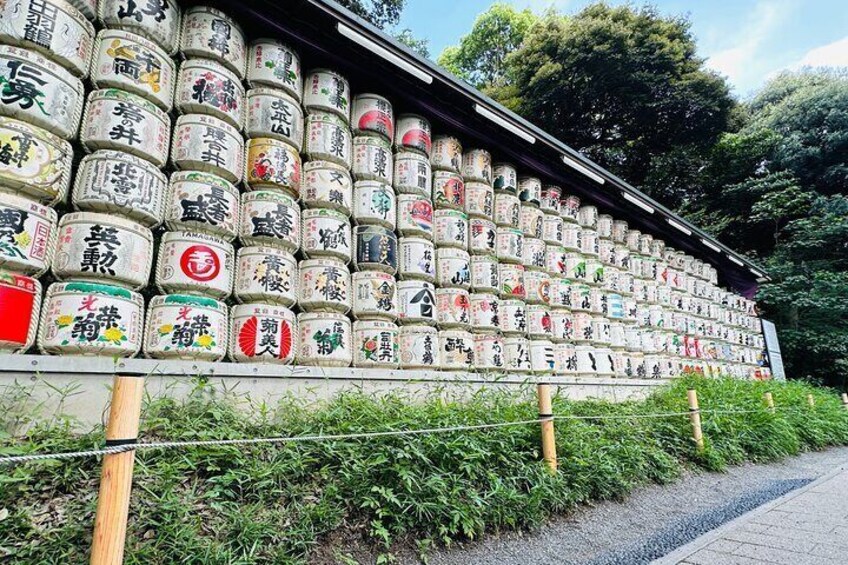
<point>748,41</point>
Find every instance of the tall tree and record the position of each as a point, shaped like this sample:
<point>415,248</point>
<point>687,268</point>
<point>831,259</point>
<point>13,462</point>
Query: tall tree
<point>381,13</point>
<point>420,46</point>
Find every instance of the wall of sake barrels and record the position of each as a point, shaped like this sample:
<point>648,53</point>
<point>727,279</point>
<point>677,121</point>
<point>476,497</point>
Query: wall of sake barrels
<point>172,188</point>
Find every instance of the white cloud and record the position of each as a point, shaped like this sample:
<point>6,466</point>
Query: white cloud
<point>831,55</point>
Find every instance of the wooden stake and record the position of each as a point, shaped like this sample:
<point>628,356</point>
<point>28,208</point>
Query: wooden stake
<point>548,438</point>
<point>113,503</point>
<point>769,401</point>
<point>845,400</point>
<point>811,401</point>
<point>695,417</point>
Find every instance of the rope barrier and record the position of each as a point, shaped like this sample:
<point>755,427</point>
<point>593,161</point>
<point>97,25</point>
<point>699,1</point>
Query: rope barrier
<point>336,437</point>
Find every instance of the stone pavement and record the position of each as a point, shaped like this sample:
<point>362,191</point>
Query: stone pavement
<point>808,526</point>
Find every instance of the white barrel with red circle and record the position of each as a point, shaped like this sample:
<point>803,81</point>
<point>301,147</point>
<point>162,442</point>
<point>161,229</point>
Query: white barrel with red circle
<point>375,344</point>
<point>569,209</point>
<point>195,263</point>
<point>265,274</point>
<point>446,154</point>
<point>416,302</point>
<point>557,262</point>
<point>82,318</point>
<point>28,234</point>
<point>327,185</point>
<point>533,254</point>
<point>485,308</point>
<point>20,306</point>
<point>324,339</point>
<point>114,119</point>
<point>477,166</point>
<point>208,144</point>
<point>419,347</point>
<point>103,248</point>
<point>517,354</point>
<point>453,268</point>
<point>531,221</point>
<point>539,321</point>
<point>483,237</point>
<point>511,281</point>
<point>326,233</point>
<point>324,286</point>
<point>551,196</point>
<point>538,286</point>
<point>180,326</point>
<point>450,228</point>
<point>414,215</point>
<point>270,217</point>
<point>541,356</point>
<point>263,333</point>
<point>274,114</point>
<point>479,200</point>
<point>453,308</point>
<point>505,178</point>
<point>530,190</point>
<point>412,174</point>
<point>372,159</point>
<point>507,212</point>
<point>210,33</point>
<point>374,296</point>
<point>202,202</point>
<point>417,259</point>
<point>275,64</point>
<point>412,132</point>
<point>562,326</point>
<point>327,138</point>
<point>489,352</point>
<point>513,316</point>
<point>207,87</point>
<point>456,350</point>
<point>371,114</point>
<point>325,90</point>
<point>509,245</point>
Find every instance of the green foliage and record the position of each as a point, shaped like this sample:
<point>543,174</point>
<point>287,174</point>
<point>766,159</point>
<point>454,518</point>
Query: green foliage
<point>381,13</point>
<point>420,46</point>
<point>289,502</point>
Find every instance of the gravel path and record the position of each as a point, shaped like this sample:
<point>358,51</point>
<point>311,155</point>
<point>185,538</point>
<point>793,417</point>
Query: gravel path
<point>651,522</point>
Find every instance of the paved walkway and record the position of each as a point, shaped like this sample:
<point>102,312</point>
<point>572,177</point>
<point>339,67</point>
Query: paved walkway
<point>808,526</point>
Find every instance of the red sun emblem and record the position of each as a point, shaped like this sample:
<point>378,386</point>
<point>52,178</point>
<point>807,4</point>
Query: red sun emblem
<point>200,263</point>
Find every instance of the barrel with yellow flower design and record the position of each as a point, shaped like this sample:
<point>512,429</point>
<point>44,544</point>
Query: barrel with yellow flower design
<point>186,327</point>
<point>82,318</point>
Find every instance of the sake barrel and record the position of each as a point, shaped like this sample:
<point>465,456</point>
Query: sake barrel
<point>533,254</point>
<point>557,262</point>
<point>371,114</point>
<point>477,166</point>
<point>115,182</point>
<point>604,227</point>
<point>211,34</point>
<point>38,164</point>
<point>562,326</point>
<point>531,222</point>
<point>453,308</point>
<point>517,354</point>
<point>20,305</point>
<point>202,202</point>
<point>541,356</point>
<point>538,285</point>
<point>539,321</point>
<point>82,318</point>
<point>270,217</point>
<point>130,62</point>
<point>552,232</point>
<point>419,347</point>
<point>584,332</point>
<point>416,302</point>
<point>657,248</point>
<point>600,331</point>
<point>417,259</point>
<point>513,316</point>
<point>551,195</point>
<point>114,119</point>
<point>581,297</point>
<point>511,281</point>
<point>87,7</point>
<point>619,363</point>
<point>575,266</point>
<point>207,87</point>
<point>596,273</point>
<point>509,245</point>
<point>635,367</point>
<point>38,91</point>
<point>375,248</point>
<point>479,200</point>
<point>372,159</point>
<point>374,296</point>
<point>274,114</point>
<point>157,21</point>
<point>560,290</point>
<point>325,90</point>
<point>412,174</point>
<point>589,242</point>
<point>530,190</point>
<point>275,64</point>
<point>604,364</point>
<point>611,275</point>
<point>484,273</point>
<point>587,364</point>
<point>446,154</point>
<point>327,138</point>
<point>631,240</point>
<point>103,248</point>
<point>565,359</point>
<point>489,352</point>
<point>653,366</point>
<point>632,338</point>
<point>263,333</point>
<point>27,235</point>
<point>205,143</point>
<point>450,228</point>
<point>413,133</point>
<point>615,306</point>
<point>569,209</point>
<point>374,203</point>
<point>414,216</point>
<point>505,178</point>
<point>453,268</point>
<point>33,24</point>
<point>598,301</point>
<point>265,274</point>
<point>507,210</point>
<point>180,326</point>
<point>326,233</point>
<point>375,344</point>
<point>482,237</point>
<point>587,217</point>
<point>571,236</point>
<point>327,185</point>
<point>645,242</point>
<point>619,231</point>
<point>606,252</point>
<point>448,190</point>
<point>325,340</point>
<point>456,350</point>
<point>195,263</point>
<point>485,309</point>
<point>324,286</point>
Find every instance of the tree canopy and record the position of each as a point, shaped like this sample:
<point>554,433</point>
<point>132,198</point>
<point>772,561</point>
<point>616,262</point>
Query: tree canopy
<point>381,13</point>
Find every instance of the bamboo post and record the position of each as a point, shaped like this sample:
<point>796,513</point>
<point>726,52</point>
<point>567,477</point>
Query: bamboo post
<point>811,401</point>
<point>769,401</point>
<point>695,417</point>
<point>543,391</point>
<point>113,503</point>
<point>845,400</point>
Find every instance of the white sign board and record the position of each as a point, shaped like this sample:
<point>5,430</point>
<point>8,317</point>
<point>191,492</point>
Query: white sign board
<point>773,356</point>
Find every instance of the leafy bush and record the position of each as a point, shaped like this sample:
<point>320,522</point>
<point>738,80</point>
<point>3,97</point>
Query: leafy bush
<point>285,502</point>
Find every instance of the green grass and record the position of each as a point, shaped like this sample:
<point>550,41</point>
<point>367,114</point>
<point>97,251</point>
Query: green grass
<point>292,503</point>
